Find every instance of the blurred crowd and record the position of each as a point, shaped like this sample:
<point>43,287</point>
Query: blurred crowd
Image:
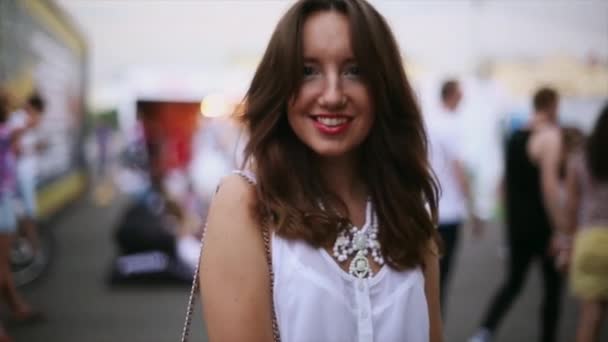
<point>158,237</point>
<point>555,193</point>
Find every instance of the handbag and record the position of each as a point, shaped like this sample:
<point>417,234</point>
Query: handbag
<point>195,282</point>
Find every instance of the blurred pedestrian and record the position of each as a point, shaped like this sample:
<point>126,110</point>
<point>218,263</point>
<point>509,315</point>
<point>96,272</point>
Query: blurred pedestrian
<point>27,147</point>
<point>456,199</point>
<point>532,187</point>
<point>8,220</point>
<point>587,219</point>
<point>327,228</point>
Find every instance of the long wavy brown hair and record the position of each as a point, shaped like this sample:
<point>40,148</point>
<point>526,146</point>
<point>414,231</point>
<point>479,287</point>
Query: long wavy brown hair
<point>393,158</point>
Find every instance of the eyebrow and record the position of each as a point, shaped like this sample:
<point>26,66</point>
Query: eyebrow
<point>310,59</point>
<point>351,59</point>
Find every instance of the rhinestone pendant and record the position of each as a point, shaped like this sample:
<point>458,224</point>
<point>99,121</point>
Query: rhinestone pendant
<point>360,241</point>
<point>359,266</point>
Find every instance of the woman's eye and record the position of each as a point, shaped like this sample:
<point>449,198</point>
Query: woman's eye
<point>352,70</point>
<point>309,70</point>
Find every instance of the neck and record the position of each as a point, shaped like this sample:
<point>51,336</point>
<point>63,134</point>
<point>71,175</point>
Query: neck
<point>540,119</point>
<point>341,177</point>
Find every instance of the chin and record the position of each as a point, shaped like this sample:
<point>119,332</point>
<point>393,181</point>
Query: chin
<point>331,150</point>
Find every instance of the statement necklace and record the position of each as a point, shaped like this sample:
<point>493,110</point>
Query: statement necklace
<point>362,242</point>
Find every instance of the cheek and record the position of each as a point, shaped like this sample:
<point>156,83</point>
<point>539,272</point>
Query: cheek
<point>300,106</point>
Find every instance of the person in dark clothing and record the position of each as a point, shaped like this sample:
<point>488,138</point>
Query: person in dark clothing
<point>533,158</point>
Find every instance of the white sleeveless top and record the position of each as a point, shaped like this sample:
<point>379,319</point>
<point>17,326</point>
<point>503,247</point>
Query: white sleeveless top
<point>316,301</point>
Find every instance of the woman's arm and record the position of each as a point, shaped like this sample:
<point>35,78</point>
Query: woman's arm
<point>234,278</point>
<point>431,289</point>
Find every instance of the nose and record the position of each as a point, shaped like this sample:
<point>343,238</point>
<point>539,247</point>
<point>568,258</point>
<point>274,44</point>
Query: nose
<point>333,96</point>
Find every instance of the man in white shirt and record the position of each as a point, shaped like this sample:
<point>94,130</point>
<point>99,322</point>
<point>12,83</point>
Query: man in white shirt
<point>27,149</point>
<point>455,201</point>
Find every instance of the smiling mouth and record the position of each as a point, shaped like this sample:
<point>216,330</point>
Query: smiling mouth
<point>331,124</point>
<point>331,121</point>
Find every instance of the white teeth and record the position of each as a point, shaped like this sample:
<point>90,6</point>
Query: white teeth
<point>332,121</point>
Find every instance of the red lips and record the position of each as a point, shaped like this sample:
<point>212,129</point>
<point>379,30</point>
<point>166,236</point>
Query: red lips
<point>331,124</point>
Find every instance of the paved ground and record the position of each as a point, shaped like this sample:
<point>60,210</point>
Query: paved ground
<point>82,308</point>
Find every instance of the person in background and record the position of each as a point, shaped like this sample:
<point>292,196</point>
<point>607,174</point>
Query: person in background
<point>326,229</point>
<point>532,189</point>
<point>587,220</point>
<point>8,220</point>
<point>456,200</point>
<point>27,148</point>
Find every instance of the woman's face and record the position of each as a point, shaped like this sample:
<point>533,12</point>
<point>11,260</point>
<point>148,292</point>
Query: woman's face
<point>332,111</point>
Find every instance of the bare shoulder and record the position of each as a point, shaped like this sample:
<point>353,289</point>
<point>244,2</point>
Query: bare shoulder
<point>230,218</point>
<point>545,144</point>
<point>234,193</point>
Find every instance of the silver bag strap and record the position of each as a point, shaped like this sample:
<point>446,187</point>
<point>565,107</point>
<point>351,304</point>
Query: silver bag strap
<point>250,178</point>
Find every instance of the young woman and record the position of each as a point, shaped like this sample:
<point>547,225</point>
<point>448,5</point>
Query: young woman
<point>587,218</point>
<point>337,179</point>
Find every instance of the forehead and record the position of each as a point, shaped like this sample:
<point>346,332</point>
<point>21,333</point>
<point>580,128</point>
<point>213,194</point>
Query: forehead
<point>326,34</point>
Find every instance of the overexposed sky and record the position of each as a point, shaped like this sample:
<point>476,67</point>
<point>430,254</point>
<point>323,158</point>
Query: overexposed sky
<point>449,36</point>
